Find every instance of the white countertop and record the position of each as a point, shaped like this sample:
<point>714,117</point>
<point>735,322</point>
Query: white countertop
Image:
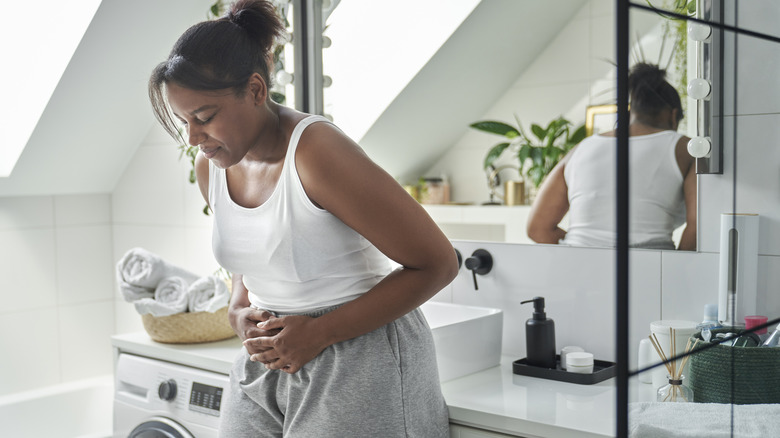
<point>499,400</point>
<point>493,399</point>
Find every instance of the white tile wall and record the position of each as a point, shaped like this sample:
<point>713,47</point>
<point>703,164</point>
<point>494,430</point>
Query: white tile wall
<point>30,348</point>
<point>85,343</point>
<point>55,260</point>
<point>579,289</point>
<point>28,268</point>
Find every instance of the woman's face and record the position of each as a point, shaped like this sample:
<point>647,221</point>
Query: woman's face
<point>225,127</point>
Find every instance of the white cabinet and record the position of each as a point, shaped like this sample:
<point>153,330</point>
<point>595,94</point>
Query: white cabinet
<point>458,431</point>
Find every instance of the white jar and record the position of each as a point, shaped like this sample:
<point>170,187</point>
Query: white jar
<point>565,352</point>
<point>579,362</point>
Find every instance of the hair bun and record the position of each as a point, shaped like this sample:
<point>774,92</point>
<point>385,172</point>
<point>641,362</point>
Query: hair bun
<point>648,74</point>
<point>258,18</point>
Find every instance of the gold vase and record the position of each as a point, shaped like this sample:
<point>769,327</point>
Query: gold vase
<point>514,193</point>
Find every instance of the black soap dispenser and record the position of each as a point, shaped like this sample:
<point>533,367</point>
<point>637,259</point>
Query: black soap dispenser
<point>540,337</point>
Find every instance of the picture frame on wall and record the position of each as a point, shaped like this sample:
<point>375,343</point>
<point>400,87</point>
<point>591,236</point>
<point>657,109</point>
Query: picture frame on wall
<point>600,118</point>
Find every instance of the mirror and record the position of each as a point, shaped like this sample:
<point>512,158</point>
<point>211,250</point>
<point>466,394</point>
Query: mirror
<point>406,80</point>
<point>744,189</point>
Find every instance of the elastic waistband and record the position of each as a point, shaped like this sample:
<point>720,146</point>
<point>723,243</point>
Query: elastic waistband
<point>313,313</point>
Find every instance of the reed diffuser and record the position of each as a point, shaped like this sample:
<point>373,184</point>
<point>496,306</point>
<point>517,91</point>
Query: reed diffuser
<point>674,391</point>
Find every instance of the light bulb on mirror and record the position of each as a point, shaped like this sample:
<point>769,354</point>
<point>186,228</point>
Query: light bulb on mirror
<point>699,147</point>
<point>326,42</point>
<point>699,32</point>
<point>699,88</point>
<point>284,77</point>
<point>327,81</point>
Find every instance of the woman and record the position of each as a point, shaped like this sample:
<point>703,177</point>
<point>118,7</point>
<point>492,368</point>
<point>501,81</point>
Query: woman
<point>662,185</point>
<point>334,342</point>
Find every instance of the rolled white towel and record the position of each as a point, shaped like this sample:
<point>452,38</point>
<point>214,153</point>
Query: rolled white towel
<point>208,294</point>
<point>139,272</point>
<point>132,293</point>
<point>170,298</point>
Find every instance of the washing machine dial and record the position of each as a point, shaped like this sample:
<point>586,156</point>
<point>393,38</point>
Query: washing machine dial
<point>167,390</point>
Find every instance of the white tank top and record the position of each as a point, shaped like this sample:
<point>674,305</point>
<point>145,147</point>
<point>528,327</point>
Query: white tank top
<point>656,205</point>
<point>294,256</point>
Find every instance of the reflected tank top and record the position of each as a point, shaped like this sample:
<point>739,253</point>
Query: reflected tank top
<point>656,205</point>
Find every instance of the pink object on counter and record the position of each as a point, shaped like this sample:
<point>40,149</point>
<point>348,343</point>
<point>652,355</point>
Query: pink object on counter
<point>754,320</point>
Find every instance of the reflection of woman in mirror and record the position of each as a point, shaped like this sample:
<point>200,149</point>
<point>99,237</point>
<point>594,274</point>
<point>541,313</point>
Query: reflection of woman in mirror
<point>334,343</point>
<point>663,178</point>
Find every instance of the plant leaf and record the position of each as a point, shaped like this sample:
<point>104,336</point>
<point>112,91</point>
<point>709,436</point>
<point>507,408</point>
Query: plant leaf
<point>537,156</point>
<point>576,137</point>
<point>495,127</point>
<point>538,131</point>
<point>537,175</point>
<point>494,153</point>
<point>278,97</point>
<point>523,154</point>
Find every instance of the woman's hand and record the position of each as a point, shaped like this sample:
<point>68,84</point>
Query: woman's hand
<point>244,322</point>
<point>296,341</point>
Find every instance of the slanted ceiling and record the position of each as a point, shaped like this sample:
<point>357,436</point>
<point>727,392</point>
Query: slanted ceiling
<point>99,112</point>
<point>481,60</point>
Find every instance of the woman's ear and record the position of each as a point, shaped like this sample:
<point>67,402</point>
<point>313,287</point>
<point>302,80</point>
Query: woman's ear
<point>258,88</point>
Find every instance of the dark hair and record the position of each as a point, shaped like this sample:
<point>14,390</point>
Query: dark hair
<point>218,54</point>
<point>650,92</point>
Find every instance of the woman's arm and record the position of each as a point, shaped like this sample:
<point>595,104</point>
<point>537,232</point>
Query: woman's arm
<point>338,176</point>
<point>688,168</point>
<point>550,206</point>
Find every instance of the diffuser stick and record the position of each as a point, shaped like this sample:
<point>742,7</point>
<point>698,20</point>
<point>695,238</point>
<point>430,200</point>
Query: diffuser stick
<point>660,351</point>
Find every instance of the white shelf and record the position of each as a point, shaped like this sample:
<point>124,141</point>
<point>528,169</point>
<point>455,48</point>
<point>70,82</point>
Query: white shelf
<point>497,223</point>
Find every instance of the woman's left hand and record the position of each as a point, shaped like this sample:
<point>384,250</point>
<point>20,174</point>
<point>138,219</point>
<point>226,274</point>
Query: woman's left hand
<point>297,342</point>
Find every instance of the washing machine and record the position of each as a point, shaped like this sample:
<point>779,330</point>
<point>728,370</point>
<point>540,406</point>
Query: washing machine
<point>160,399</point>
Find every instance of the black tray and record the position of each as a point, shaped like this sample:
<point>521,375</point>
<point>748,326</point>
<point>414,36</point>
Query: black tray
<point>602,370</point>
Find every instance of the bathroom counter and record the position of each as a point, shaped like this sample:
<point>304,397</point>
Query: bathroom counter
<point>493,399</point>
<point>498,400</point>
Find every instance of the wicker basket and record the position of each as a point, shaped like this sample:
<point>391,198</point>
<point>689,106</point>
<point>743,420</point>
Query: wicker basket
<point>189,328</point>
<point>755,378</point>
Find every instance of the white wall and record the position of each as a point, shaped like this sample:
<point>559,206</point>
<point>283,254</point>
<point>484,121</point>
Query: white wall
<point>57,310</point>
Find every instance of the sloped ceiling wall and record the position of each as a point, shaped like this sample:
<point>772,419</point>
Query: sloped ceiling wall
<point>473,69</point>
<point>99,113</point>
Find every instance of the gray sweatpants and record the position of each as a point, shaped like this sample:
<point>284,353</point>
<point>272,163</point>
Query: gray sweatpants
<point>383,384</point>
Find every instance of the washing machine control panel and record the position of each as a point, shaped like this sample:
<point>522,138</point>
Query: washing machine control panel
<point>167,390</point>
<point>205,398</point>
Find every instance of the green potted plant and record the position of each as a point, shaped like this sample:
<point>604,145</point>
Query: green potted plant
<point>536,156</point>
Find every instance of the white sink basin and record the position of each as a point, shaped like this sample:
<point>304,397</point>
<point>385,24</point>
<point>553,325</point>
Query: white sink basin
<point>467,338</point>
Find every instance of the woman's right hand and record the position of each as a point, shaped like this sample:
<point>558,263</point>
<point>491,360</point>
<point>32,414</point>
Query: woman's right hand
<point>244,322</point>
<point>243,318</point>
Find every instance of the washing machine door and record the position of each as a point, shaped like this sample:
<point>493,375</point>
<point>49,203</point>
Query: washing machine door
<point>159,427</point>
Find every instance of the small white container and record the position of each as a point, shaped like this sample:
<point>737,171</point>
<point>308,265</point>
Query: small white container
<point>579,362</point>
<point>647,357</point>
<point>565,351</point>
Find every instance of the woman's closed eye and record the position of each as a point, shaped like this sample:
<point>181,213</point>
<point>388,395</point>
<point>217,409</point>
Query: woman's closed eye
<point>203,122</point>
